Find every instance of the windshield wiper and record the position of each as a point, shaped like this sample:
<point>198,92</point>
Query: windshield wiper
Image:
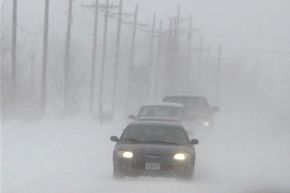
<point>133,140</point>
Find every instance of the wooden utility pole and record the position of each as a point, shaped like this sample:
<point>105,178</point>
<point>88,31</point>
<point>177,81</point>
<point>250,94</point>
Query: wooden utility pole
<point>177,33</point>
<point>200,53</point>
<point>131,62</point>
<point>158,62</point>
<point>132,52</point>
<point>174,67</point>
<point>67,59</point>
<point>200,59</point>
<point>169,40</point>
<point>44,59</point>
<point>189,42</point>
<point>93,67</point>
<point>14,51</point>
<point>151,65</point>
<point>132,56</point>
<point>32,60</point>
<point>102,75</point>
<point>169,57</point>
<point>117,55</point>
<point>158,57</point>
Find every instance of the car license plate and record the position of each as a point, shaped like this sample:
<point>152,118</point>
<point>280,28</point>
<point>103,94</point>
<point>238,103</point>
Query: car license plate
<point>152,166</point>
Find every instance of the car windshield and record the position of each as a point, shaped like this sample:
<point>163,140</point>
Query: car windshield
<point>162,111</point>
<point>154,134</point>
<point>193,104</point>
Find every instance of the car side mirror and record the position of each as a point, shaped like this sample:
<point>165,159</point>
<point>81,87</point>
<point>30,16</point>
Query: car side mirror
<point>114,138</point>
<point>194,141</point>
<point>133,117</point>
<point>215,109</point>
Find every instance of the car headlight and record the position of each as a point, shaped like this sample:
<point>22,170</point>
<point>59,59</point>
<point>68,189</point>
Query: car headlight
<point>126,154</point>
<point>205,123</point>
<point>179,156</point>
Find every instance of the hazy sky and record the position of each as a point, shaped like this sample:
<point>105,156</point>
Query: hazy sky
<point>250,26</point>
<point>250,21</point>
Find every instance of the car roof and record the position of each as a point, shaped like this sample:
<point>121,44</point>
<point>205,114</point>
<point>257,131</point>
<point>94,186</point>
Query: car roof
<point>165,104</point>
<point>156,122</point>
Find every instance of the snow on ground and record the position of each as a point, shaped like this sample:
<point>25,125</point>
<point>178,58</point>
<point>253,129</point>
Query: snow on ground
<point>241,154</point>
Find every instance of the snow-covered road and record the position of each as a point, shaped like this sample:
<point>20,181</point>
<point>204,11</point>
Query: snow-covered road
<point>243,155</point>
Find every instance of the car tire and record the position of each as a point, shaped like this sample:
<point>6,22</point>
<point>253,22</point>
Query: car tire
<point>188,175</point>
<point>117,173</point>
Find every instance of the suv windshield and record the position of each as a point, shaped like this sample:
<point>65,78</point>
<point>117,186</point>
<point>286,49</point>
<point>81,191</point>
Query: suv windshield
<point>154,134</point>
<point>192,104</point>
<point>162,111</point>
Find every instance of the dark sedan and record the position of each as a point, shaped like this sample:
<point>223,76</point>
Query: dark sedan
<point>197,109</point>
<point>154,148</point>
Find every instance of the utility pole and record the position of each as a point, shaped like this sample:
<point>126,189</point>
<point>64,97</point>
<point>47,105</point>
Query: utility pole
<point>132,52</point>
<point>67,59</point>
<point>134,25</point>
<point>169,40</point>
<point>158,61</point>
<point>93,67</point>
<point>200,60</point>
<point>188,68</point>
<point>189,42</point>
<point>44,59</point>
<point>201,50</point>
<point>159,43</point>
<point>117,55</point>
<point>151,65</point>
<point>177,33</point>
<point>102,76</point>
<point>32,59</point>
<point>174,68</point>
<point>169,57</point>
<point>219,62</point>
<point>14,52</point>
<point>132,55</point>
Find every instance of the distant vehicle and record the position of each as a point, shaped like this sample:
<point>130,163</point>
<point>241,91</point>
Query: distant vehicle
<point>161,110</point>
<point>154,148</point>
<point>197,109</point>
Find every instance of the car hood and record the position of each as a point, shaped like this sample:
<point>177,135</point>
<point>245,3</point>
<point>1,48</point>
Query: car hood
<point>153,148</point>
<point>199,113</point>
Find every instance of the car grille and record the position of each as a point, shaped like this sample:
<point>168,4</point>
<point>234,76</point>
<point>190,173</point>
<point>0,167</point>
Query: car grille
<point>165,161</point>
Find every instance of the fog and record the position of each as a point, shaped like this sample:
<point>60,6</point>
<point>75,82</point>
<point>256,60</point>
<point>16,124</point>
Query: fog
<point>56,124</point>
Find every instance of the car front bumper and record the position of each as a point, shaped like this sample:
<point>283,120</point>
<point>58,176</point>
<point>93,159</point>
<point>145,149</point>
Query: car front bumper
<point>167,168</point>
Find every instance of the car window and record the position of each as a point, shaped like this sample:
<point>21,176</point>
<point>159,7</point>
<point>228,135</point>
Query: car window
<point>193,104</point>
<point>154,134</point>
<point>162,111</point>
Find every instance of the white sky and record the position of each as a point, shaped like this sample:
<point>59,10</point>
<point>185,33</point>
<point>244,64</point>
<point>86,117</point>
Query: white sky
<point>257,20</point>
